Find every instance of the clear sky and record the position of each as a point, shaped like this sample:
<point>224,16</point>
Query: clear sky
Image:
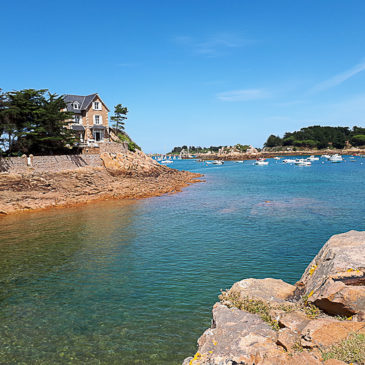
<point>195,72</point>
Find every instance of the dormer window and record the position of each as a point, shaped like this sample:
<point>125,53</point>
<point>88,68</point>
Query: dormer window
<point>96,105</point>
<point>76,105</point>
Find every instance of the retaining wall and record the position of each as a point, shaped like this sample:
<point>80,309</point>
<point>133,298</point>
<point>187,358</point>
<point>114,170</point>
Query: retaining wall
<point>91,157</point>
<point>48,163</point>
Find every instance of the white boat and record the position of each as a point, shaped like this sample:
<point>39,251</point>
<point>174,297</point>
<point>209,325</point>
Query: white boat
<point>261,162</point>
<point>218,162</point>
<point>239,161</point>
<point>167,161</point>
<point>336,158</point>
<point>326,156</point>
<point>302,162</point>
<point>288,160</point>
<point>313,158</point>
<point>277,158</point>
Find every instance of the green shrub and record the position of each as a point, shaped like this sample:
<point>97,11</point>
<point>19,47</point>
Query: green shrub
<point>132,146</point>
<point>358,140</point>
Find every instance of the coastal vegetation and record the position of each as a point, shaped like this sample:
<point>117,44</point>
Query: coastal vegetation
<point>318,137</point>
<point>349,350</point>
<point>34,121</point>
<point>124,137</point>
<point>120,115</point>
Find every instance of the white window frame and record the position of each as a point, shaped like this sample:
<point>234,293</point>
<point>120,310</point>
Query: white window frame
<point>76,105</point>
<point>97,105</point>
<point>100,122</point>
<point>79,121</point>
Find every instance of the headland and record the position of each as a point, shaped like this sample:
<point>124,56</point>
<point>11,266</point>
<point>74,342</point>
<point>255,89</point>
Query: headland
<point>59,181</point>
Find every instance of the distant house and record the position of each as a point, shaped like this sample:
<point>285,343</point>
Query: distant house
<point>90,120</point>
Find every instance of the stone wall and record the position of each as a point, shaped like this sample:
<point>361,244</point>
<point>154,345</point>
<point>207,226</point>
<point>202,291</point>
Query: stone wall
<point>48,163</point>
<point>113,147</point>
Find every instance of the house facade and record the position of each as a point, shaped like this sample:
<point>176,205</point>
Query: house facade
<point>90,121</point>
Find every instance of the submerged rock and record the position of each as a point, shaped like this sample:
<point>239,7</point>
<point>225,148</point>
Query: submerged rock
<point>270,322</point>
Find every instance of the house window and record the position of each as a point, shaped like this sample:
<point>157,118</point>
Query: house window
<point>76,105</point>
<point>77,119</point>
<point>97,105</point>
<point>97,119</point>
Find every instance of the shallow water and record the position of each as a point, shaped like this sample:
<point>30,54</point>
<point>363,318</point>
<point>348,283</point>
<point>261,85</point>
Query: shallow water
<point>134,282</point>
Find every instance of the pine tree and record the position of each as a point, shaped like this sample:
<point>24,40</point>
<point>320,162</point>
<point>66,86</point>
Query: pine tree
<point>119,116</point>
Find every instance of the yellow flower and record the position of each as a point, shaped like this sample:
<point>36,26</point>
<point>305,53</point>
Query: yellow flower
<point>312,269</point>
<point>197,356</point>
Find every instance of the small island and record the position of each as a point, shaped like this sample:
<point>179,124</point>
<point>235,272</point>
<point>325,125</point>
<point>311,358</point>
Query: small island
<point>313,140</point>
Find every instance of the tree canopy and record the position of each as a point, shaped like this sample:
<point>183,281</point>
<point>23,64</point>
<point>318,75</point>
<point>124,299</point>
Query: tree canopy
<point>120,115</point>
<point>319,137</point>
<point>34,121</point>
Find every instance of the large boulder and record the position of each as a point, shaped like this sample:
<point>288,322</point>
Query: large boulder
<point>325,332</point>
<point>268,290</point>
<point>295,331</point>
<point>235,337</point>
<point>335,279</point>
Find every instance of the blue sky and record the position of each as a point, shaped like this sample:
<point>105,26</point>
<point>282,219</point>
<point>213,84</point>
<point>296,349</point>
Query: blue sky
<point>195,72</point>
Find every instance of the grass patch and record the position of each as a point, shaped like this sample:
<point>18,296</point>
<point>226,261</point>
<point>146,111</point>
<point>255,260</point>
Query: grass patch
<point>263,309</point>
<point>350,350</point>
<point>253,306</point>
<point>311,311</point>
<point>132,146</point>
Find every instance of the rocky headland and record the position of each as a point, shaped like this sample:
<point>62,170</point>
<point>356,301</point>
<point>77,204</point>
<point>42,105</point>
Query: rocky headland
<point>127,175</point>
<point>319,320</point>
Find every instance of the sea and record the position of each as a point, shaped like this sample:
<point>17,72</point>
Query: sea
<point>134,282</point>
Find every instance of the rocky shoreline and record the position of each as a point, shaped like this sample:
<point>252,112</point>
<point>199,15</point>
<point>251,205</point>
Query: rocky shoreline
<point>123,176</point>
<point>319,320</point>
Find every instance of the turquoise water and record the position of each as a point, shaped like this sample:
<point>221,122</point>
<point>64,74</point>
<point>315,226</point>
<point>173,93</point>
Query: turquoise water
<point>134,282</point>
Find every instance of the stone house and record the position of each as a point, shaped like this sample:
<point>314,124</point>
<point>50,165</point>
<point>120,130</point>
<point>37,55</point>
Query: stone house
<point>90,121</point>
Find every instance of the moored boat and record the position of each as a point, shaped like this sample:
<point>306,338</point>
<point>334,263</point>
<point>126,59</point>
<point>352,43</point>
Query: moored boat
<point>336,158</point>
<point>313,158</point>
<point>302,162</point>
<point>261,162</point>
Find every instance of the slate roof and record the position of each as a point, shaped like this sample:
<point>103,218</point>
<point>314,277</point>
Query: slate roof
<point>76,127</point>
<point>84,101</point>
